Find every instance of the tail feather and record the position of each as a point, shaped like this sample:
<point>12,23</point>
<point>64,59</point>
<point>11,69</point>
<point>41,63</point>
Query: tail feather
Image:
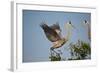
<point>43,25</point>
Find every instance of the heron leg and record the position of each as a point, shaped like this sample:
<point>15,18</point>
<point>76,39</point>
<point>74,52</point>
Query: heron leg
<point>55,56</point>
<point>53,51</point>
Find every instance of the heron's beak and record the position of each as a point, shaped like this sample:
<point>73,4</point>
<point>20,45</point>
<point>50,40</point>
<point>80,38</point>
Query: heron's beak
<point>73,26</point>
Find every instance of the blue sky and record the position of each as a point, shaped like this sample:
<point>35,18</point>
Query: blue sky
<point>36,47</point>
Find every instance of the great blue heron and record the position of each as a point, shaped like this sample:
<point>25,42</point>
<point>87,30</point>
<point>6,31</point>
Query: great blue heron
<point>53,33</point>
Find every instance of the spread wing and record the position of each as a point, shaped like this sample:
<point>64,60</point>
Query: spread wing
<point>56,27</point>
<point>50,33</point>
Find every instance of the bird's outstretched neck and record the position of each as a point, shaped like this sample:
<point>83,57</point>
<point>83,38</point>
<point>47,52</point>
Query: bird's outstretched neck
<point>68,28</point>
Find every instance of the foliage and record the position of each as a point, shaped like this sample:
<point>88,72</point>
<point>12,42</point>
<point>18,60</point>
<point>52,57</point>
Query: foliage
<point>80,51</point>
<point>55,58</point>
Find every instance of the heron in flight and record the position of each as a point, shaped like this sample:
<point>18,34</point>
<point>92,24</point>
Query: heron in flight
<point>53,34</point>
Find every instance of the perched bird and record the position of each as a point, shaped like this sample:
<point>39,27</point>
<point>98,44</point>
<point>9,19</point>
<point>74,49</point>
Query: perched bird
<point>53,33</point>
<point>87,25</point>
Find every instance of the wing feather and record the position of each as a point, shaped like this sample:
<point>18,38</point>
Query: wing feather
<point>56,26</point>
<point>50,33</point>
